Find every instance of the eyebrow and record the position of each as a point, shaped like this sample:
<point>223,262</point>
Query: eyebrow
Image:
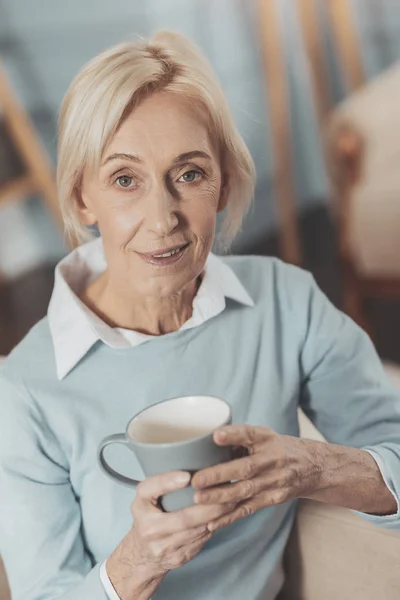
<point>192,154</point>
<point>178,159</point>
<point>131,157</point>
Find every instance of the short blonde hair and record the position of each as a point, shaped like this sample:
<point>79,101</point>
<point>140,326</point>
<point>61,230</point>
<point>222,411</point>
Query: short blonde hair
<point>111,85</point>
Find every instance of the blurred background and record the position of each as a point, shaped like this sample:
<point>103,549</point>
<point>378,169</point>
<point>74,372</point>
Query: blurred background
<point>314,86</point>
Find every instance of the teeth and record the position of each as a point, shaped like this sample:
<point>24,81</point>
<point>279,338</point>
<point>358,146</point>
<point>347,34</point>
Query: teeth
<point>167,254</point>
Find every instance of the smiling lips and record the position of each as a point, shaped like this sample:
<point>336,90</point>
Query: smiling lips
<point>164,256</point>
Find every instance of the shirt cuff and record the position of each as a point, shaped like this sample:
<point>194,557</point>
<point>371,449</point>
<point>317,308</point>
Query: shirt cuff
<point>387,478</point>
<point>108,586</point>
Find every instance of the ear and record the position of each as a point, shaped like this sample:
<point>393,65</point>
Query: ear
<point>224,193</point>
<point>86,216</point>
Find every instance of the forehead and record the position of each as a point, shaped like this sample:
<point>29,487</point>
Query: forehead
<point>164,124</point>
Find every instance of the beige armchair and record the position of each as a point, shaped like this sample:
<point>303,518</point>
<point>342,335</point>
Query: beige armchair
<point>363,153</point>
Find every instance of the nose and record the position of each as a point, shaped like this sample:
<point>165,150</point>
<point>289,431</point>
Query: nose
<point>161,212</point>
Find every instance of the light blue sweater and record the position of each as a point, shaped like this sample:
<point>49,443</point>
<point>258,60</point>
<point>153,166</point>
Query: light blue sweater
<point>60,516</point>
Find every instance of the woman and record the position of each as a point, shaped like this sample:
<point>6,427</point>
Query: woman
<point>149,154</point>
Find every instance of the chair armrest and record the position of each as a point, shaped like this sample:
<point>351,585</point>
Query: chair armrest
<point>333,553</point>
<point>4,589</point>
<point>373,113</point>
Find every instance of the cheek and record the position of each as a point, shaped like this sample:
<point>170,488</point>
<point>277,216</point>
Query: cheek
<point>202,208</point>
<point>127,221</point>
<point>120,224</point>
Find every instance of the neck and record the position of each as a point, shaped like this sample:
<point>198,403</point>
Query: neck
<point>149,315</point>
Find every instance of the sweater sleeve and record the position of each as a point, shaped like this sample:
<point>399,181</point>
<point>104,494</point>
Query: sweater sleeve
<point>40,518</point>
<point>347,394</point>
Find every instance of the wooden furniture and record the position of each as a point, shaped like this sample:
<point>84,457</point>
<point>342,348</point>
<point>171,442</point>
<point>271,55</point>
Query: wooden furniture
<point>38,175</point>
<point>362,155</point>
<point>272,51</point>
<point>309,20</point>
<point>341,21</point>
<point>346,41</point>
<point>271,45</point>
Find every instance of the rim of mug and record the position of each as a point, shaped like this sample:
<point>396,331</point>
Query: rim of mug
<point>181,442</point>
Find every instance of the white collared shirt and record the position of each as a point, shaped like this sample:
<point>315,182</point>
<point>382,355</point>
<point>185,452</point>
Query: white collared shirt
<point>75,328</point>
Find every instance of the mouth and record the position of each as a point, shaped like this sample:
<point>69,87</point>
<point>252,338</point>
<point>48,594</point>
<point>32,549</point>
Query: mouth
<point>165,256</point>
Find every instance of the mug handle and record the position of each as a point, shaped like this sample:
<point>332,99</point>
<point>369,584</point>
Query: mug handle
<point>115,438</point>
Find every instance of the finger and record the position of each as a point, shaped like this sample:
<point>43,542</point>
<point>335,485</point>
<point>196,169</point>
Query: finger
<point>233,493</point>
<point>242,435</point>
<point>242,511</point>
<point>234,470</point>
<point>150,489</point>
<point>191,517</point>
<point>186,552</point>
<point>248,508</point>
<point>184,538</point>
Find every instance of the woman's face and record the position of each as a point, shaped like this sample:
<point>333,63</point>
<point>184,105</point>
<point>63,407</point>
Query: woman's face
<point>158,190</point>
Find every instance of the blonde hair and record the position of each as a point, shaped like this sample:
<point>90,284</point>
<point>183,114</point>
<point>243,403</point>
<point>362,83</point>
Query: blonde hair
<point>111,85</point>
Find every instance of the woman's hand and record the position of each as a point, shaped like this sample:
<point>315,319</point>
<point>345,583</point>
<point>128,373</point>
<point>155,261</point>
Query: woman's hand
<point>158,541</point>
<point>277,469</point>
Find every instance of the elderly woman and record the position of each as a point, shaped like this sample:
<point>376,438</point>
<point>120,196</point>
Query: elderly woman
<point>149,153</point>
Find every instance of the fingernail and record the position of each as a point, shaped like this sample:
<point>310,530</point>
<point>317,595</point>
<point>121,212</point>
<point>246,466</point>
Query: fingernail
<point>221,435</point>
<point>182,478</point>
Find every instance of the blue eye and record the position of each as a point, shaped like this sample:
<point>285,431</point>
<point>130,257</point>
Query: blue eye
<point>124,181</point>
<point>190,176</point>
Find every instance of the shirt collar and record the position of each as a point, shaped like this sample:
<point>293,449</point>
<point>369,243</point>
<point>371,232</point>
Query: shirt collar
<point>74,328</point>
